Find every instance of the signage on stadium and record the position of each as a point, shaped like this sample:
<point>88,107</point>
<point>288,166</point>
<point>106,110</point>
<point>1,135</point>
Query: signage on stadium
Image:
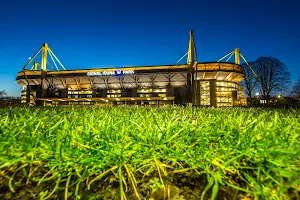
<point>117,72</point>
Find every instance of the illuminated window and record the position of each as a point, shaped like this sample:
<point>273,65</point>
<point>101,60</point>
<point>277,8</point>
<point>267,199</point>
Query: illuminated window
<point>85,92</point>
<point>263,101</point>
<point>162,95</point>
<point>114,91</point>
<point>204,93</point>
<point>146,90</point>
<point>224,93</point>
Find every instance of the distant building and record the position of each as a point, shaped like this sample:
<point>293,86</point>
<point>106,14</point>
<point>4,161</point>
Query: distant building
<point>194,83</point>
<point>278,101</point>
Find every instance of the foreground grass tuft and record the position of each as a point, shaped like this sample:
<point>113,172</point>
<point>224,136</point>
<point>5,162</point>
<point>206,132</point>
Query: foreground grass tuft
<point>136,152</point>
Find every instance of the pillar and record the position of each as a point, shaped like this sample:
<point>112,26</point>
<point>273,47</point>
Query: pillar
<point>213,90</point>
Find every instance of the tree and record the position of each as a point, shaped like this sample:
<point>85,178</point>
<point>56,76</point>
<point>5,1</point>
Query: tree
<point>272,76</point>
<point>2,94</point>
<point>296,88</point>
<point>249,79</point>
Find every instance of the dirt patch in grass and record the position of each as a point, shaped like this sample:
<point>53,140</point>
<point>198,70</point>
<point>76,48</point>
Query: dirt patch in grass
<point>181,186</point>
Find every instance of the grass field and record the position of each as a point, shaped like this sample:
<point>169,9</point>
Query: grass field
<point>139,152</point>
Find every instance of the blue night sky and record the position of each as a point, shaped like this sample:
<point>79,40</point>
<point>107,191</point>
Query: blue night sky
<point>115,33</point>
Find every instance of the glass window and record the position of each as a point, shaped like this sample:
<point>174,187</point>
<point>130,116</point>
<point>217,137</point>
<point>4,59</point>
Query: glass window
<point>204,93</point>
<point>224,93</point>
<point>145,90</point>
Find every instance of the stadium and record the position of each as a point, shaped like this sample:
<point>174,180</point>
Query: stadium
<point>194,83</point>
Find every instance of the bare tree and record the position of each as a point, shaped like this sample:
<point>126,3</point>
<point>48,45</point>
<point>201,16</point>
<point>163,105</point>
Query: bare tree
<point>296,88</point>
<point>272,76</point>
<point>250,80</point>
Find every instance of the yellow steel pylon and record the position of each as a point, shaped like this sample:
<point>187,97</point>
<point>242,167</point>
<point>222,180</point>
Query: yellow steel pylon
<point>45,51</point>
<point>237,54</point>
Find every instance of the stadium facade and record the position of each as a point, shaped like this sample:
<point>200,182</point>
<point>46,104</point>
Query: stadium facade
<point>194,83</point>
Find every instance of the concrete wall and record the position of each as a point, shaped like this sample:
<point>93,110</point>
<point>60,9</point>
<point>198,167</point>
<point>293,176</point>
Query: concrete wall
<point>100,93</point>
<point>170,91</point>
<point>129,92</point>
<point>63,93</point>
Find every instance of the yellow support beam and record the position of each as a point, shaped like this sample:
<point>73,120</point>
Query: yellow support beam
<point>35,66</point>
<point>236,53</point>
<point>191,51</point>
<point>32,58</point>
<point>44,57</point>
<point>237,56</point>
<point>51,53</point>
